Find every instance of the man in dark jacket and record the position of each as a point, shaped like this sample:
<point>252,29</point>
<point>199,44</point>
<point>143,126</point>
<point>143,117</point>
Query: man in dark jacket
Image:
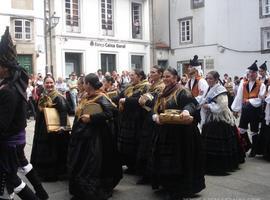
<point>13,84</point>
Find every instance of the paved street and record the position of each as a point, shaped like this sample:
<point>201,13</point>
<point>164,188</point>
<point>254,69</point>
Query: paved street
<point>251,182</point>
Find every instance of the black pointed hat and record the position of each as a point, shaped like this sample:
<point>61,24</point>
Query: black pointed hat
<point>8,58</point>
<point>263,66</point>
<point>8,53</point>
<point>254,67</point>
<point>194,62</point>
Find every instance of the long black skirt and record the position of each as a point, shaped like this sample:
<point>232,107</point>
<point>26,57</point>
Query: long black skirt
<point>177,159</point>
<point>221,147</point>
<point>93,162</point>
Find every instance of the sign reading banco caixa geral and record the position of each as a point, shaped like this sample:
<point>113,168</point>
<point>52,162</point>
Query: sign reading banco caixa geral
<point>107,44</point>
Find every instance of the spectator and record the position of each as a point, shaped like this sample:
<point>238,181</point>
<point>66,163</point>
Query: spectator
<point>61,86</point>
<point>100,75</point>
<point>72,85</point>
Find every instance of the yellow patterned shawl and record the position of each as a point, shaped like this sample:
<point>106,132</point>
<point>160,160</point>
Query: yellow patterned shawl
<point>46,99</point>
<point>157,87</point>
<point>132,88</point>
<point>161,102</point>
<point>92,99</point>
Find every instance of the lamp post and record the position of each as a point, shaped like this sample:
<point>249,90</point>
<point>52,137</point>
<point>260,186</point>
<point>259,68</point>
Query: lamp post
<point>50,22</point>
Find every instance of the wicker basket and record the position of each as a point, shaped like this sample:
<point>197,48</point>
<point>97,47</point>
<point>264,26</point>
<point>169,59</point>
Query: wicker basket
<point>172,116</point>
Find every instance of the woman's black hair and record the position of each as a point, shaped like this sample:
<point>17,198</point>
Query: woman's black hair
<point>48,76</point>
<point>93,80</point>
<point>81,80</point>
<point>172,71</point>
<point>216,76</point>
<point>109,79</point>
<point>140,73</point>
<point>159,69</point>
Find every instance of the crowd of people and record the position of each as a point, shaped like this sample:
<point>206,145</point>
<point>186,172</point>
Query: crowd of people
<point>167,130</point>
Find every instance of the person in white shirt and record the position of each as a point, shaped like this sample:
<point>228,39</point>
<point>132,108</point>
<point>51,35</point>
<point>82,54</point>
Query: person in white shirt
<point>196,84</point>
<point>61,86</point>
<point>248,101</point>
<point>73,89</point>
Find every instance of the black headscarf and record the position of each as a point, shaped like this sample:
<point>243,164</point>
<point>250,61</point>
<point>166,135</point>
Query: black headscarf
<point>8,59</point>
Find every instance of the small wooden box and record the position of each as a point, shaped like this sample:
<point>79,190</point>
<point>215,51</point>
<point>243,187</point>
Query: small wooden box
<point>53,120</point>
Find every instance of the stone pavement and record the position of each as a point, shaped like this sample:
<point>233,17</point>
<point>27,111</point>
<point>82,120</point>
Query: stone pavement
<point>251,182</point>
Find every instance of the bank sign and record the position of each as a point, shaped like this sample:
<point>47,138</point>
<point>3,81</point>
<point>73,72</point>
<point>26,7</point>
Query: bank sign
<point>107,44</point>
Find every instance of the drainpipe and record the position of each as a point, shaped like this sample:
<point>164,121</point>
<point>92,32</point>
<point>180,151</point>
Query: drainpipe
<point>45,37</point>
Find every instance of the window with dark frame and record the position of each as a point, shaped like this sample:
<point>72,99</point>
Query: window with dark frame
<point>185,30</point>
<point>265,37</point>
<point>107,17</point>
<point>136,9</point>
<point>22,29</point>
<point>137,62</point>
<point>72,15</point>
<point>264,8</point>
<point>197,4</point>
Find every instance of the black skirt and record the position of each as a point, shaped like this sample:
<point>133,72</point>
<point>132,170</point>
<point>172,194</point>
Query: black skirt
<point>177,159</point>
<point>49,152</point>
<point>93,162</point>
<point>221,147</point>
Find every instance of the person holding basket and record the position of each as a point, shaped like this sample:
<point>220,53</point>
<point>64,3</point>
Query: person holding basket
<point>177,156</point>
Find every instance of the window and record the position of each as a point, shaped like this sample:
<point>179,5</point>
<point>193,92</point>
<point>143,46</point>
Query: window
<point>264,8</point>
<point>185,29</point>
<point>108,62</point>
<point>107,17</point>
<point>197,4</point>
<point>136,20</point>
<point>22,29</point>
<point>72,15</point>
<point>136,62</point>
<point>265,35</point>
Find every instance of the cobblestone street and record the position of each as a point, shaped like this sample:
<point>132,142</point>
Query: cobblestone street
<point>251,182</point>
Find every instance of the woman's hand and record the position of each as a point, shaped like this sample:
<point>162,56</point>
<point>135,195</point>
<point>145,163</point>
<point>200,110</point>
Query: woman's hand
<point>184,114</point>
<point>142,101</point>
<point>85,118</point>
<point>155,118</point>
<point>122,100</point>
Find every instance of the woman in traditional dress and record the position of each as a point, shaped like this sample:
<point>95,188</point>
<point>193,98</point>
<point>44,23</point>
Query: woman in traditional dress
<point>145,141</point>
<point>131,118</point>
<point>263,145</point>
<point>229,85</point>
<point>108,84</point>
<point>177,162</point>
<point>49,151</point>
<point>219,132</point>
<point>81,91</point>
<point>93,161</point>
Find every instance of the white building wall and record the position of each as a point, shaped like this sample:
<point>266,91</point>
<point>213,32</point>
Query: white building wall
<point>37,17</point>
<point>161,21</point>
<point>91,32</point>
<point>235,25</point>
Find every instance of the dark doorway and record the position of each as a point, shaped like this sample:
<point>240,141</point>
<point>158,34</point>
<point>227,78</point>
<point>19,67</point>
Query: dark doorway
<point>73,63</point>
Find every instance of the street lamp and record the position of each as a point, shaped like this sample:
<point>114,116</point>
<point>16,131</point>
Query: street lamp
<point>50,23</point>
<point>53,21</point>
